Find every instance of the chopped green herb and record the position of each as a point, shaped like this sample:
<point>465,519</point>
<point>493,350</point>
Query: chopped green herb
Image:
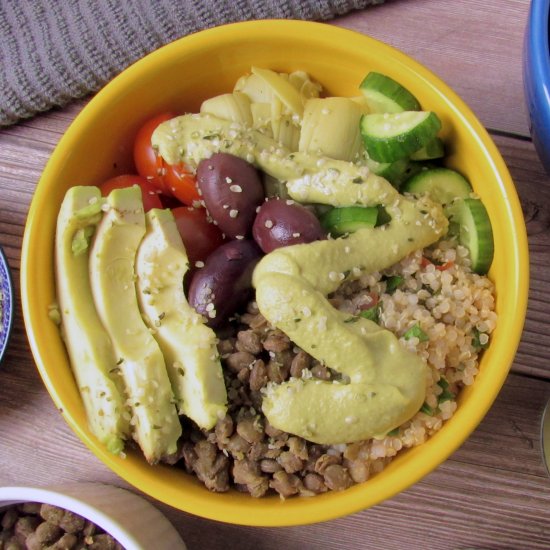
<point>372,314</point>
<point>445,395</point>
<point>211,136</point>
<point>120,361</point>
<point>181,371</point>
<point>81,240</point>
<point>476,340</point>
<point>416,332</point>
<point>54,314</point>
<point>357,180</point>
<point>297,320</point>
<point>394,282</point>
<point>426,409</point>
<point>90,211</point>
<point>116,370</point>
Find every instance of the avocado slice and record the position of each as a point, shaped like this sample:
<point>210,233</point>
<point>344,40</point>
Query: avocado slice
<point>90,350</point>
<point>155,420</point>
<point>188,345</point>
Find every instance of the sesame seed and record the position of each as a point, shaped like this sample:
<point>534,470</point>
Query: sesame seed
<point>333,276</point>
<point>239,237</point>
<point>233,213</point>
<point>209,307</point>
<point>236,188</point>
<point>295,235</point>
<point>268,224</point>
<point>199,264</point>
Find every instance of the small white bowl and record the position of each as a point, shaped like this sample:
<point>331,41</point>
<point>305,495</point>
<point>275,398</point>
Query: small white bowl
<point>128,518</point>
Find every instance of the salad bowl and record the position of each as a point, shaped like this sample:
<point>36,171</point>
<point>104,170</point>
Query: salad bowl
<point>178,77</point>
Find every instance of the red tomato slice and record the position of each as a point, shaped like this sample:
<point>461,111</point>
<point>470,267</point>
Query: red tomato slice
<point>149,192</point>
<point>181,183</point>
<point>199,236</point>
<point>148,164</point>
<point>173,180</point>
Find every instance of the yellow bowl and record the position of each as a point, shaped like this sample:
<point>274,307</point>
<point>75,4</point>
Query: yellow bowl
<point>178,77</point>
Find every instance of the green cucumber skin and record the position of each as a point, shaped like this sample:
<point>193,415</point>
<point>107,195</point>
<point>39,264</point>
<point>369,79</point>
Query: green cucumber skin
<point>402,145</point>
<point>395,172</point>
<point>349,219</point>
<point>434,149</point>
<point>475,232</point>
<point>395,92</point>
<point>441,184</point>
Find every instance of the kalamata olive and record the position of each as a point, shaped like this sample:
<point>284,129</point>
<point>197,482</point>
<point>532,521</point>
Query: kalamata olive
<point>225,282</point>
<point>282,222</point>
<point>232,190</point>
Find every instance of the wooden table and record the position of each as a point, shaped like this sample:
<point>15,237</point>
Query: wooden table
<point>494,492</point>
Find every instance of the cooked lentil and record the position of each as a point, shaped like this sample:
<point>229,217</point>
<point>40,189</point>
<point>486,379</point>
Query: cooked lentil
<point>37,526</point>
<point>433,292</point>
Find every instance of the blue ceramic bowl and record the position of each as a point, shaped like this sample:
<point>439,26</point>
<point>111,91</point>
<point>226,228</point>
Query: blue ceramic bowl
<point>536,77</point>
<point>6,303</point>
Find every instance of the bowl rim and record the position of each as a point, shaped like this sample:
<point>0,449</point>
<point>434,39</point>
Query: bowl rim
<point>74,497</point>
<point>536,75</point>
<point>321,507</point>
<point>6,303</point>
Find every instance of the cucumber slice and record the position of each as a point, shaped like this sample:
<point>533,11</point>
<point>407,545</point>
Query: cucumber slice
<point>385,95</point>
<point>392,136</point>
<point>443,185</point>
<point>432,150</point>
<point>474,231</point>
<point>349,219</point>
<point>394,172</point>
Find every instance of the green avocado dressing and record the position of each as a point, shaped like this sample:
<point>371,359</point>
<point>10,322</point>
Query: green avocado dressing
<point>386,383</point>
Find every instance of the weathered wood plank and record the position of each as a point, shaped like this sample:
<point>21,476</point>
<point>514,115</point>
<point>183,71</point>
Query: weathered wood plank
<point>492,493</point>
<point>476,47</point>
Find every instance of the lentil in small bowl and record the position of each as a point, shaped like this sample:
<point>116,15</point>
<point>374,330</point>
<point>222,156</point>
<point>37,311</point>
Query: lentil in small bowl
<point>82,515</point>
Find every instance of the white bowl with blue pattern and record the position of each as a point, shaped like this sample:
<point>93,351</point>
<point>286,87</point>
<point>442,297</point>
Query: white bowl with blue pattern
<point>6,303</point>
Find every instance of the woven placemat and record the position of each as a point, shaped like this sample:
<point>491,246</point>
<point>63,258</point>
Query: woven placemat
<point>53,51</point>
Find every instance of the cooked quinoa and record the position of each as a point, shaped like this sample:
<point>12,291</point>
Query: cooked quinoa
<point>435,305</point>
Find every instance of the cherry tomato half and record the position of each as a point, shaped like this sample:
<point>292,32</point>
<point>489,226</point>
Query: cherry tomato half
<point>199,236</point>
<point>173,180</point>
<point>148,164</point>
<point>181,183</point>
<point>149,192</point>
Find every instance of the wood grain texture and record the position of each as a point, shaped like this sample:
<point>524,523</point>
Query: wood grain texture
<point>475,47</point>
<point>493,493</point>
